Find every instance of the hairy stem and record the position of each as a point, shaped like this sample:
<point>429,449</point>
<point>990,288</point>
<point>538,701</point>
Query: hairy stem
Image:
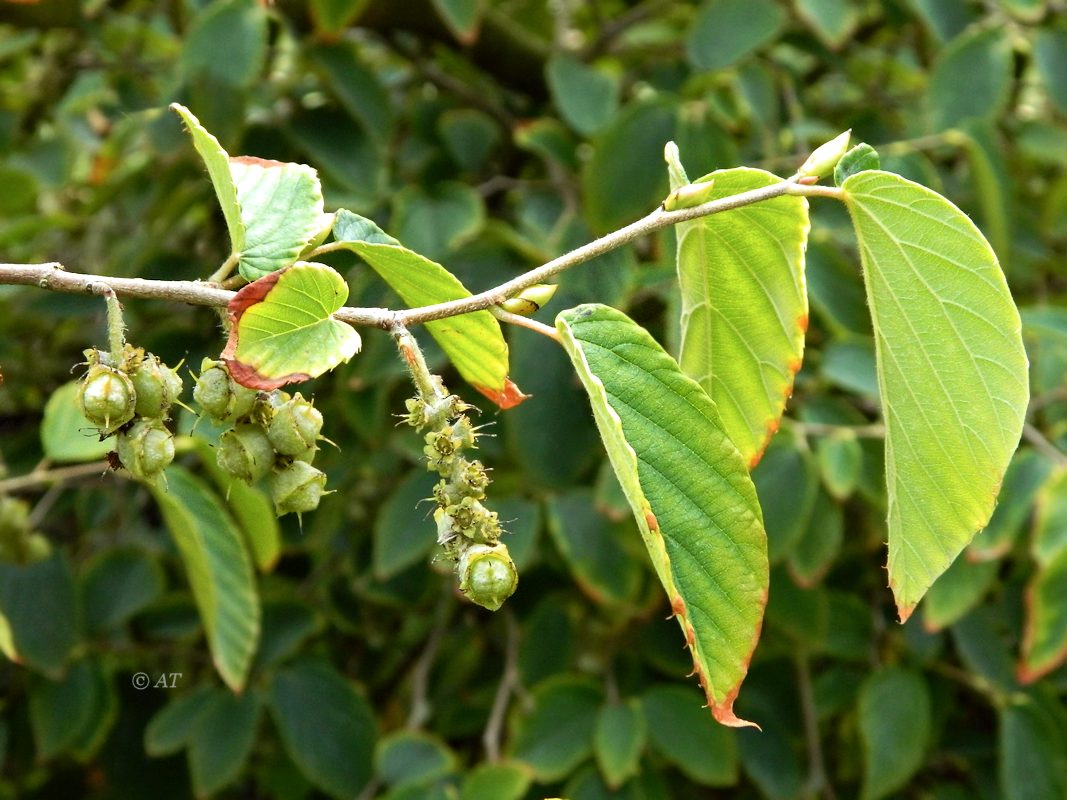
<point>49,477</point>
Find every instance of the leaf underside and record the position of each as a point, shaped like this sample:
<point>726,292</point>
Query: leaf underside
<point>688,487</point>
<point>952,371</point>
<point>744,306</point>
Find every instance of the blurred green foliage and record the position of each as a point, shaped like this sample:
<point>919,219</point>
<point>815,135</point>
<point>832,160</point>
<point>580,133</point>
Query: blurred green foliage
<point>492,135</point>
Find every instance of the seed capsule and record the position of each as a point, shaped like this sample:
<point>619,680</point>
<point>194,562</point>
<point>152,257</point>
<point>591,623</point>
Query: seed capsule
<point>107,398</point>
<point>157,387</point>
<point>146,449</point>
<point>218,394</point>
<point>296,488</point>
<point>295,427</point>
<point>245,452</point>
<point>487,575</point>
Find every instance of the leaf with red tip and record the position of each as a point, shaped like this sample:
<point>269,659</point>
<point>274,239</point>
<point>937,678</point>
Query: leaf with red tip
<point>473,342</point>
<point>1045,635</point>
<point>282,328</point>
<point>689,490</point>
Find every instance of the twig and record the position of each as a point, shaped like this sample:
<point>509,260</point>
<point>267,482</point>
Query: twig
<point>818,783</point>
<point>32,480</point>
<point>421,708</point>
<point>876,430</point>
<point>525,322</point>
<point>509,679</point>
<point>1038,440</point>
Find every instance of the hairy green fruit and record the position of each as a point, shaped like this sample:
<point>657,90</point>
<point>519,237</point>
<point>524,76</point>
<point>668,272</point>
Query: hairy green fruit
<point>487,575</point>
<point>219,395</point>
<point>146,449</point>
<point>245,452</point>
<point>157,387</point>
<point>295,427</point>
<point>296,488</point>
<point>107,397</point>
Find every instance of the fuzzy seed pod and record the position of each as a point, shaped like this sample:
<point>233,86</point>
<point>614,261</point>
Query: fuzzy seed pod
<point>146,449</point>
<point>295,427</point>
<point>296,488</point>
<point>219,395</point>
<point>107,398</point>
<point>487,575</point>
<point>245,452</point>
<point>157,386</point>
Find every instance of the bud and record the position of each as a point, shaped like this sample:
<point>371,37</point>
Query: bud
<point>157,387</point>
<point>245,452</point>
<point>487,575</point>
<point>825,157</point>
<point>107,397</point>
<point>146,449</point>
<point>689,196</point>
<point>219,395</point>
<point>295,427</point>
<point>529,300</point>
<point>296,488</point>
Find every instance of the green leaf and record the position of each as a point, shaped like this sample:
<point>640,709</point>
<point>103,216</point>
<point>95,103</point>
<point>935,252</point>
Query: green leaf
<point>473,342</point>
<point>222,738</point>
<point>227,44</point>
<point>787,482</point>
<point>435,222</point>
<point>462,17</point>
<point>851,365</point>
<point>688,487</point>
<point>605,569</point>
<point>38,614</point>
<point>1050,519</point>
<point>116,585</point>
<point>951,370</point>
<point>860,158</point>
<point>219,570</point>
<point>684,735</point>
<point>1033,764</point>
<point>404,532</point>
<point>744,305</point>
<point>833,20</point>
<point>66,435</point>
<point>283,329</point>
<point>971,79</point>
<point>406,758</point>
<point>327,728</point>
<point>815,551</point>
<point>956,592</point>
<point>556,735</point>
<point>586,97</point>
<point>1050,57</point>
<point>281,211</point>
<point>501,780</point>
<point>334,16</point>
<point>355,84</point>
<point>68,710</point>
<point>725,31</point>
<point>1045,636</point>
<point>1026,474</point>
<point>286,626</point>
<point>469,135</point>
<point>619,740</point>
<point>173,726</point>
<point>217,162</point>
<point>895,725</point>
<point>840,460</point>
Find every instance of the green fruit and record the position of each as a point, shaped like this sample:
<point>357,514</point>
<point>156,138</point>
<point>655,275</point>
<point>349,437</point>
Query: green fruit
<point>219,395</point>
<point>245,452</point>
<point>146,449</point>
<point>107,397</point>
<point>295,427</point>
<point>487,575</point>
<point>296,488</point>
<point>157,387</point>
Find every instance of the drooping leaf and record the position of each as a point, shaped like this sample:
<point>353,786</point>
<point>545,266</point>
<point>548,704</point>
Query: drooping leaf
<point>65,711</point>
<point>473,342</point>
<point>744,305</point>
<point>222,738</point>
<point>957,591</point>
<point>688,487</point>
<point>1033,752</point>
<point>282,328</point>
<point>173,726</point>
<point>684,735</point>
<point>1050,58</point>
<point>727,30</point>
<point>1045,636</point>
<point>952,371</point>
<point>587,98</point>
<point>971,79</point>
<point>833,20</point>
<point>66,435</point>
<point>39,614</point>
<point>462,17</point>
<point>619,740</point>
<point>895,723</point>
<point>219,571</point>
<point>327,728</point>
<point>557,733</point>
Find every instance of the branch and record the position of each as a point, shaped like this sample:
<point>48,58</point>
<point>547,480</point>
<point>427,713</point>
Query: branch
<point>50,477</point>
<point>55,277</point>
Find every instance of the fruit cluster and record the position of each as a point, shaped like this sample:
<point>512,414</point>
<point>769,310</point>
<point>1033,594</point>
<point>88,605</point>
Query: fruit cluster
<point>468,532</point>
<point>129,395</point>
<point>272,435</point>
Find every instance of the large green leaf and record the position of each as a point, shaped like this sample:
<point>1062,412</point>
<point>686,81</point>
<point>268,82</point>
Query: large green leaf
<point>283,330</point>
<point>219,570</point>
<point>952,371</point>
<point>619,740</point>
<point>972,78</point>
<point>895,723</point>
<point>586,97</point>
<point>688,487</point>
<point>39,614</point>
<point>744,305</point>
<point>473,342</point>
<point>1033,751</point>
<point>222,738</point>
<point>725,31</point>
<point>685,736</point>
<point>556,735</point>
<point>1045,637</point>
